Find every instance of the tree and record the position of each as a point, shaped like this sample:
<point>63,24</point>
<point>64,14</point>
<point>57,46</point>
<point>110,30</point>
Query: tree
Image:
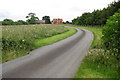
<point>67,22</point>
<point>74,21</point>
<point>21,22</point>
<point>7,22</point>
<point>32,18</point>
<point>47,19</point>
<point>97,17</point>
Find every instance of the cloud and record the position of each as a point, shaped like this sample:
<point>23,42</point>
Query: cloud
<point>4,14</point>
<point>66,9</point>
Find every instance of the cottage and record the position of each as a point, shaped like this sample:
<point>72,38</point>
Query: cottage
<point>57,21</point>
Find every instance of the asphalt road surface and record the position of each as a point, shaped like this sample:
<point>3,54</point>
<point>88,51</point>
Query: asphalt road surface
<point>58,60</point>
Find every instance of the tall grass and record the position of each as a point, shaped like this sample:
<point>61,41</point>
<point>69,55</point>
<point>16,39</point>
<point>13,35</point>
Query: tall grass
<point>0,44</point>
<point>19,40</point>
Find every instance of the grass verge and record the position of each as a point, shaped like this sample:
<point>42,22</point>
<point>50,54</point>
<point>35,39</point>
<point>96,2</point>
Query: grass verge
<point>97,63</point>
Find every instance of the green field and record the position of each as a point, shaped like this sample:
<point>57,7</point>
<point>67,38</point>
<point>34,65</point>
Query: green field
<point>97,63</point>
<point>19,40</point>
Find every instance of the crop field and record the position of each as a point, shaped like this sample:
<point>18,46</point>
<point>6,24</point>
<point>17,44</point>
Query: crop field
<point>19,40</point>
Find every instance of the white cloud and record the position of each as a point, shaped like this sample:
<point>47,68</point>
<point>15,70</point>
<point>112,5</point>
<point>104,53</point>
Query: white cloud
<point>66,9</point>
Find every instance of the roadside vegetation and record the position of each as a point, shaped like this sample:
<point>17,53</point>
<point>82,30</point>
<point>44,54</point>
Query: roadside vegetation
<point>103,59</point>
<point>19,40</point>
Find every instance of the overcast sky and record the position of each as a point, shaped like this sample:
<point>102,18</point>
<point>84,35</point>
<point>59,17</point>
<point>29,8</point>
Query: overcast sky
<point>65,9</point>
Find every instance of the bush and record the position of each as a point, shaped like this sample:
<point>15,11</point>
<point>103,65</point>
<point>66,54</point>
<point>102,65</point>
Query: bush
<point>7,22</point>
<point>111,33</point>
<point>111,37</point>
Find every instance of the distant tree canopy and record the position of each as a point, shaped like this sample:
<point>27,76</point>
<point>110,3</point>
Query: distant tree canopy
<point>32,18</point>
<point>67,22</point>
<point>97,17</point>
<point>7,22</point>
<point>47,19</point>
<point>11,22</point>
<point>20,22</point>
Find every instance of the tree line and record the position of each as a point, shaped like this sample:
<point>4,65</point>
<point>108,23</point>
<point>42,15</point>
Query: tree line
<point>31,19</point>
<point>97,17</point>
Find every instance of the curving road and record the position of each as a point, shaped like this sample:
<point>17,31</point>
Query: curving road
<point>58,60</point>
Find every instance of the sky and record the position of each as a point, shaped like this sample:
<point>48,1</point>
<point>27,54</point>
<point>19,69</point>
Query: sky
<point>65,9</point>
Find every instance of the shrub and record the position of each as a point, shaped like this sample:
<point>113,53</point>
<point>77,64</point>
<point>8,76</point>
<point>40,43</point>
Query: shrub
<point>111,36</point>
<point>7,22</point>
<point>111,33</point>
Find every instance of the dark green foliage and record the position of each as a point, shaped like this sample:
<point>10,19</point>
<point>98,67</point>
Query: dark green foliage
<point>32,18</point>
<point>7,22</point>
<point>11,22</point>
<point>67,22</point>
<point>63,22</point>
<point>21,22</point>
<point>111,36</point>
<point>111,33</point>
<point>97,17</point>
<point>47,19</point>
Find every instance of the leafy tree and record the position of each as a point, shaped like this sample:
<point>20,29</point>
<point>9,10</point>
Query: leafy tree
<point>32,18</point>
<point>97,17</point>
<point>47,19</point>
<point>7,22</point>
<point>74,21</point>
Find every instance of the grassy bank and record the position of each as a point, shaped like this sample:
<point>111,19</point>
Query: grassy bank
<point>55,38</point>
<point>18,41</point>
<point>97,63</point>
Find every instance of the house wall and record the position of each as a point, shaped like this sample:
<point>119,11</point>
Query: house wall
<point>57,21</point>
